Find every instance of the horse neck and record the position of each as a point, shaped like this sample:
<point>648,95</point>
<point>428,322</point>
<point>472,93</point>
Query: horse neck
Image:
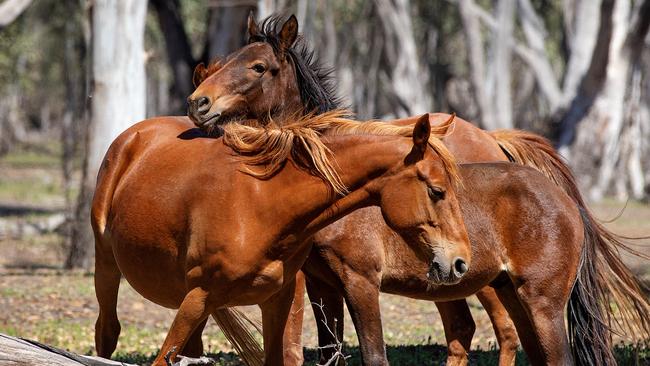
<point>360,160</point>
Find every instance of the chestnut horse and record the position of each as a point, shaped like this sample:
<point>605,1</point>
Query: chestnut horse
<point>277,75</point>
<point>203,224</point>
<point>530,242</point>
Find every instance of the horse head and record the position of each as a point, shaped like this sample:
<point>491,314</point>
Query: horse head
<point>419,202</point>
<point>274,75</point>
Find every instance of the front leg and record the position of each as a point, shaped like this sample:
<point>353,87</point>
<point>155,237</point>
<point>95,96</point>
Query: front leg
<point>503,326</point>
<point>275,313</point>
<point>293,355</point>
<point>191,314</point>
<point>459,330</point>
<point>362,298</point>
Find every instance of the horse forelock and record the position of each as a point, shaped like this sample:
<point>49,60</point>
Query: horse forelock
<point>265,150</point>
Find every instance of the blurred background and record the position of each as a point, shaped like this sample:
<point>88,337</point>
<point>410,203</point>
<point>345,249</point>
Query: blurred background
<point>75,73</point>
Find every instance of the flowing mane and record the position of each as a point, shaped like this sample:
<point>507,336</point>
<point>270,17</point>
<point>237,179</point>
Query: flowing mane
<point>270,147</point>
<point>315,82</point>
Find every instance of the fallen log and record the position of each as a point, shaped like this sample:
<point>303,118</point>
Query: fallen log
<point>24,352</point>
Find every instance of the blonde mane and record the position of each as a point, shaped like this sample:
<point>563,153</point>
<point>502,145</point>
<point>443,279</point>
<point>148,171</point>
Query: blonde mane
<point>269,147</point>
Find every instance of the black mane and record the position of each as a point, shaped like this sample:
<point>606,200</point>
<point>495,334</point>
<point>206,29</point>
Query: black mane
<point>315,82</point>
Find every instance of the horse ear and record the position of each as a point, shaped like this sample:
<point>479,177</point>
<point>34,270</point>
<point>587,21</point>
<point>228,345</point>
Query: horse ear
<point>421,133</point>
<point>199,74</point>
<point>289,32</point>
<point>253,29</point>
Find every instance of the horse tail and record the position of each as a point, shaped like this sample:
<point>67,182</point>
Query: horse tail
<point>233,324</point>
<point>603,285</point>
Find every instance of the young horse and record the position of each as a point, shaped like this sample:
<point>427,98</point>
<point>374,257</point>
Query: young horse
<point>192,223</point>
<point>529,241</point>
<point>278,75</point>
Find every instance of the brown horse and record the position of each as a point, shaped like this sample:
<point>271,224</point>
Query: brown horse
<point>530,242</point>
<point>203,224</point>
<point>277,75</point>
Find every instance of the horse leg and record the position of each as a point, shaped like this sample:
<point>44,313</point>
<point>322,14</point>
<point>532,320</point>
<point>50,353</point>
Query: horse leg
<point>508,297</point>
<point>362,298</point>
<point>459,330</point>
<point>191,314</point>
<point>194,346</point>
<point>327,304</point>
<point>504,329</point>
<point>293,331</point>
<point>545,310</point>
<point>275,312</point>
<point>107,284</point>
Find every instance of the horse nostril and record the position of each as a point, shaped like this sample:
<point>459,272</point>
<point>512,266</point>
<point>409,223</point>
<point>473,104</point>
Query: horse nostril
<point>460,266</point>
<point>203,104</point>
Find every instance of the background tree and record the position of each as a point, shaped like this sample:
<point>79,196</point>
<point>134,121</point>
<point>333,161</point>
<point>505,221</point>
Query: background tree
<point>118,99</point>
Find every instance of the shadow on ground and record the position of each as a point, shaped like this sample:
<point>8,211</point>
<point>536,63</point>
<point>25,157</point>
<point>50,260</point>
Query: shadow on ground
<point>414,355</point>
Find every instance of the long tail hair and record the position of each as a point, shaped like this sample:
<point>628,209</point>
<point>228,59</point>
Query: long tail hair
<point>604,284</point>
<point>233,324</point>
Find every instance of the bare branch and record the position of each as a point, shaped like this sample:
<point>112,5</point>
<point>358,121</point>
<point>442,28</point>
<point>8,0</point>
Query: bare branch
<point>337,345</point>
<point>536,56</point>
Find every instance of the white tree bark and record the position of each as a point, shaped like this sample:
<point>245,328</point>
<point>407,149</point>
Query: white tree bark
<point>118,101</point>
<point>501,67</point>
<point>584,31</point>
<point>536,57</point>
<point>408,76</point>
<point>118,98</point>
<point>11,9</point>
<point>609,106</point>
<point>476,57</point>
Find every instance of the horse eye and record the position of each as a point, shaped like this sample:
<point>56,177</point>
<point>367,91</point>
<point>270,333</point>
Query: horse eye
<point>436,193</point>
<point>259,68</point>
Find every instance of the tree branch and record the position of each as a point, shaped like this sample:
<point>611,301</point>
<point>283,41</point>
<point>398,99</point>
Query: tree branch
<point>10,10</point>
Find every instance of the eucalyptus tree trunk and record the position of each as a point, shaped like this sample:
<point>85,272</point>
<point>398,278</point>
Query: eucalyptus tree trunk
<point>490,75</point>
<point>606,141</point>
<point>118,99</point>
<point>406,73</point>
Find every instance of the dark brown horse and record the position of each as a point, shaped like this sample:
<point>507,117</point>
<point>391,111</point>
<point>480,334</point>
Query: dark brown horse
<point>203,224</point>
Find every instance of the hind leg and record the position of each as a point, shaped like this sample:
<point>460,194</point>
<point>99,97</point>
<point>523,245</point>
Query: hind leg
<point>194,345</point>
<point>504,328</point>
<point>107,284</point>
<point>539,321</point>
<point>459,330</point>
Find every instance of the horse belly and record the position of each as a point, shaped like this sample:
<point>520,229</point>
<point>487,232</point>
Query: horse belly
<point>149,257</point>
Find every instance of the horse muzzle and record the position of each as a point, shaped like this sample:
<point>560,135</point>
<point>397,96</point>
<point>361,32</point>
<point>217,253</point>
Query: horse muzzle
<point>442,272</point>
